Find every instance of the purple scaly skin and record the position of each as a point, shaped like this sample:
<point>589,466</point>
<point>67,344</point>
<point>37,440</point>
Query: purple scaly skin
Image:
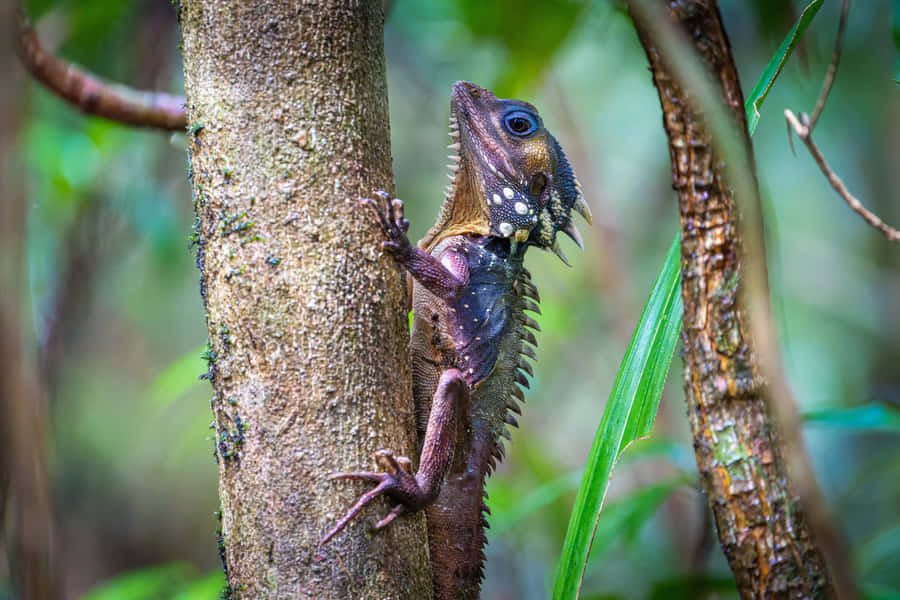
<point>512,188</point>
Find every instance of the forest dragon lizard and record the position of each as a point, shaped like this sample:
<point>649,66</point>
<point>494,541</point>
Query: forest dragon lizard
<point>512,187</point>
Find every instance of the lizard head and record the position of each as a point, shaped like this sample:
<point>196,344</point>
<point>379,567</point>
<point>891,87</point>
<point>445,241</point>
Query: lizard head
<point>510,178</point>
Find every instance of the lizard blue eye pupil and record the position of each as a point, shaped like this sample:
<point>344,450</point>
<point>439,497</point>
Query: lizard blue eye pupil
<point>520,123</point>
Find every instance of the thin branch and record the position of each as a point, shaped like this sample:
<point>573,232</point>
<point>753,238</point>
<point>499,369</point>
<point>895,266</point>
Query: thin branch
<point>832,68</point>
<point>92,95</point>
<point>803,127</point>
<point>804,133</point>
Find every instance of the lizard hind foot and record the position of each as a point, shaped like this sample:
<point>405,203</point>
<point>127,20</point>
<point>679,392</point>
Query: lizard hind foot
<point>397,475</point>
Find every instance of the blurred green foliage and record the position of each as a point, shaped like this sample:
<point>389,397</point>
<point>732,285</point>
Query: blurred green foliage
<point>110,272</point>
<point>174,582</point>
<point>527,39</point>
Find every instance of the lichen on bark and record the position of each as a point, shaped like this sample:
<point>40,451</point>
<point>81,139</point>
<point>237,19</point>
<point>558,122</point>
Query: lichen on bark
<point>287,127</point>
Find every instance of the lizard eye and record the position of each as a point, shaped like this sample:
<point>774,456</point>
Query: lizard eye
<point>520,123</point>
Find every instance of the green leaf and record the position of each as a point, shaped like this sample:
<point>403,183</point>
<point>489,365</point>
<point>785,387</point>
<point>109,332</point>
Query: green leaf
<point>628,416</point>
<point>872,417</point>
<point>770,73</point>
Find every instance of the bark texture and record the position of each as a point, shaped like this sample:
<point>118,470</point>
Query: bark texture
<point>288,126</point>
<point>761,527</point>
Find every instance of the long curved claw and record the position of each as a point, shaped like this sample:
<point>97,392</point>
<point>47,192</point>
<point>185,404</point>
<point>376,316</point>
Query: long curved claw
<point>360,504</point>
<point>395,512</point>
<point>368,202</point>
<point>399,220</point>
<point>387,461</point>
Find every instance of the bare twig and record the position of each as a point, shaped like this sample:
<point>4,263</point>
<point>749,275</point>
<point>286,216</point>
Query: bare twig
<point>832,68</point>
<point>803,127</point>
<point>92,95</point>
<point>803,132</point>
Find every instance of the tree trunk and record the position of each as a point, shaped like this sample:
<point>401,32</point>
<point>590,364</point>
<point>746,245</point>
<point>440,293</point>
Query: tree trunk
<point>287,127</point>
<point>761,526</point>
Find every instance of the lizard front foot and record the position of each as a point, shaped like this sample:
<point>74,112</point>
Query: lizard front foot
<point>396,481</point>
<point>389,215</point>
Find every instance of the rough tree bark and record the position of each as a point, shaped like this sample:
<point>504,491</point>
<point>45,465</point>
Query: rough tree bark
<point>762,529</point>
<point>287,126</point>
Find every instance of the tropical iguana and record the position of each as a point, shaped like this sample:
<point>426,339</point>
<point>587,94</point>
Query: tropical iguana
<point>512,188</point>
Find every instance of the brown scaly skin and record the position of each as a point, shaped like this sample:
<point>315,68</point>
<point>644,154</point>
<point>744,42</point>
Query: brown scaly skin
<point>512,188</point>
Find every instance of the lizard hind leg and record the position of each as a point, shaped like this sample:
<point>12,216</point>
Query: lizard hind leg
<point>413,492</point>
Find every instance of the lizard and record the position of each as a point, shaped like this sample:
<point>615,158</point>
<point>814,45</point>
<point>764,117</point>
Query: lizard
<point>511,188</point>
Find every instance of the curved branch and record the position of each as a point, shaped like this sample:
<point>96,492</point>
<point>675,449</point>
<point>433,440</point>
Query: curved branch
<point>832,67</point>
<point>803,127</point>
<point>804,132</point>
<point>92,95</point>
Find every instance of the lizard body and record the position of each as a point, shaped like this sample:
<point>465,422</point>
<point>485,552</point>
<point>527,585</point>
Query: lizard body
<point>512,188</point>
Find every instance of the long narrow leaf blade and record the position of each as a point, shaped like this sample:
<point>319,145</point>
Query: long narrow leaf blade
<point>629,415</point>
<point>770,73</point>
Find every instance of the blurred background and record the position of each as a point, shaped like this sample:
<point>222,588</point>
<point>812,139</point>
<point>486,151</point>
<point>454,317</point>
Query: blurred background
<point>113,328</point>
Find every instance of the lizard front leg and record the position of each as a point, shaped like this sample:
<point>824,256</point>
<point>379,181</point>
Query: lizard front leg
<point>413,492</point>
<point>445,278</point>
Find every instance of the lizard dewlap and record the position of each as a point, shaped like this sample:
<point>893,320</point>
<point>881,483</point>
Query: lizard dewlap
<point>511,188</point>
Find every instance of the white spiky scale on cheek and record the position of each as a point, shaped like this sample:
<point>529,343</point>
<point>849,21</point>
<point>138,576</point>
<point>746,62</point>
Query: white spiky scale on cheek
<point>455,158</point>
<point>508,193</point>
<point>506,229</point>
<point>497,200</point>
<point>521,208</point>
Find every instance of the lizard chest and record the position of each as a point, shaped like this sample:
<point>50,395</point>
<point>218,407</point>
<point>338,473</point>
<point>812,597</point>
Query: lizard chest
<point>468,333</point>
